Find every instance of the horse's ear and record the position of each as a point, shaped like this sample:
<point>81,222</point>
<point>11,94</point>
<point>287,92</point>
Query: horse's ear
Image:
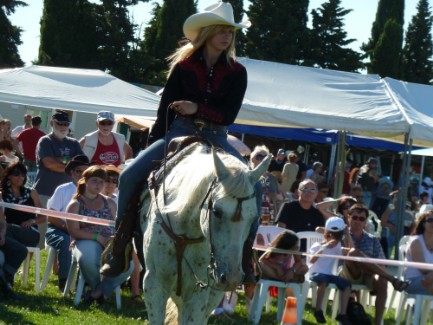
<point>257,172</point>
<point>220,169</point>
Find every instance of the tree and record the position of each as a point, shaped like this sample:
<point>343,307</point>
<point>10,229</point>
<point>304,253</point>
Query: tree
<point>68,34</point>
<point>417,65</point>
<point>386,10</point>
<point>161,38</point>
<point>238,13</point>
<point>386,54</point>
<point>329,40</point>
<point>10,36</point>
<point>279,30</point>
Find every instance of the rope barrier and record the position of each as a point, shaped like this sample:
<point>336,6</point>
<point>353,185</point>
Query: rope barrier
<point>361,259</point>
<point>58,214</point>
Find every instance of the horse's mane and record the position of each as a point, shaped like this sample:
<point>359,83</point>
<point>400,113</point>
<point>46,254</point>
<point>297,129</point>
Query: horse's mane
<point>196,171</point>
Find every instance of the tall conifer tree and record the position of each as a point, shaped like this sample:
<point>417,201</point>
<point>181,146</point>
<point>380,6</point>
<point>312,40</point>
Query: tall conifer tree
<point>279,30</point>
<point>329,39</point>
<point>417,54</point>
<point>10,35</point>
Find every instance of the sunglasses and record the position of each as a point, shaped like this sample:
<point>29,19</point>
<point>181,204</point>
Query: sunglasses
<point>18,173</point>
<point>260,156</point>
<point>112,180</point>
<point>429,220</point>
<point>360,218</point>
<point>63,123</point>
<point>106,123</point>
<point>308,190</point>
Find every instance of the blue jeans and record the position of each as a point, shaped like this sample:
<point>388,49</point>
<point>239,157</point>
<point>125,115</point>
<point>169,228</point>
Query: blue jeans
<point>60,240</point>
<point>88,253</point>
<point>139,170</point>
<point>321,278</point>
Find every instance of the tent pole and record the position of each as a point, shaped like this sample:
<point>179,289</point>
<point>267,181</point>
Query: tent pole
<point>421,173</point>
<point>402,189</point>
<point>332,162</point>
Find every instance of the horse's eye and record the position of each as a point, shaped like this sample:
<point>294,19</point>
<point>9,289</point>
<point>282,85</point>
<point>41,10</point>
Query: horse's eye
<point>217,213</point>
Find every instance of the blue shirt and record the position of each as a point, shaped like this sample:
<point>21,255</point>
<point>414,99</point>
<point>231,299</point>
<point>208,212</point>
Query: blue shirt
<point>369,245</point>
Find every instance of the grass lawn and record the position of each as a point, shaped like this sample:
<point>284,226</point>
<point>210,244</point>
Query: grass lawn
<point>49,307</point>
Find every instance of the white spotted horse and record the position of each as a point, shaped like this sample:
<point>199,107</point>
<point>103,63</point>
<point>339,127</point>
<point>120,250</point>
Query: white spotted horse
<point>195,221</point>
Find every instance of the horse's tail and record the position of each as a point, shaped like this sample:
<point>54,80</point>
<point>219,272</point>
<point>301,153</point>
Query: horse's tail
<point>171,313</point>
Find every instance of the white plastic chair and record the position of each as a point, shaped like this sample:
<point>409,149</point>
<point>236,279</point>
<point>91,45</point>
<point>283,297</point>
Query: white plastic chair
<point>376,226</point>
<point>420,303</point>
<point>80,285</point>
<point>26,264</point>
<point>268,233</point>
<point>50,261</point>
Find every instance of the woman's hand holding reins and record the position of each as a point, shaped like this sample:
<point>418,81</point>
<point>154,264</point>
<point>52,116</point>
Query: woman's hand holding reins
<point>184,107</point>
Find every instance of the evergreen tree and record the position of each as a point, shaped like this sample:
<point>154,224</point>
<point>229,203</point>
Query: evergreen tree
<point>68,34</point>
<point>329,40</point>
<point>10,35</point>
<point>161,38</point>
<point>279,30</point>
<point>386,10</point>
<point>386,54</point>
<point>238,13</point>
<point>417,65</point>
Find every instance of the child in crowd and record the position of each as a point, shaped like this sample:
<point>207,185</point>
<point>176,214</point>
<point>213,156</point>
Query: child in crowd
<point>322,270</point>
<point>280,266</point>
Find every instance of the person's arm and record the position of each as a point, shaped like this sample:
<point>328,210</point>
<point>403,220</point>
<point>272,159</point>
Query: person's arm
<point>38,204</point>
<point>82,141</point>
<point>54,164</point>
<point>127,151</point>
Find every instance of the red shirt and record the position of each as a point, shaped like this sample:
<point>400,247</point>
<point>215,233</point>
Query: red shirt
<point>107,155</point>
<point>29,139</point>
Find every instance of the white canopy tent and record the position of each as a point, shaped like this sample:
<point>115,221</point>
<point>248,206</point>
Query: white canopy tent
<point>82,90</point>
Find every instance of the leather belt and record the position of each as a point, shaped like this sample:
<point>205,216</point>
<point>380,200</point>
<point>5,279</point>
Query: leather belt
<point>202,124</point>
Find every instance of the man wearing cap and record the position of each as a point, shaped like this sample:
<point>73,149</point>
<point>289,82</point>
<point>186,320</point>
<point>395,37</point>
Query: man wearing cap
<point>104,146</point>
<point>277,164</point>
<point>28,139</point>
<point>368,179</point>
<point>53,152</point>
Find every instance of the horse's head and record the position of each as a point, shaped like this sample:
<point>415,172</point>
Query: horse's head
<point>227,215</point>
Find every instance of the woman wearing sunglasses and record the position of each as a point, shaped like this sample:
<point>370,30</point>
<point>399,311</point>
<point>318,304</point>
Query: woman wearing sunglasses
<point>420,249</point>
<point>22,227</point>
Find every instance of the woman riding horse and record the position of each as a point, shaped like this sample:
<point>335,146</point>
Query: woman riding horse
<point>202,96</point>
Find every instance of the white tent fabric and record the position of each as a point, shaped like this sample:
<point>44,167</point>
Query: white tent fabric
<point>82,90</point>
<point>294,96</point>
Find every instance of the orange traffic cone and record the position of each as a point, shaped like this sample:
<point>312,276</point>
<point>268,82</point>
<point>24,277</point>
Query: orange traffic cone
<point>290,315</point>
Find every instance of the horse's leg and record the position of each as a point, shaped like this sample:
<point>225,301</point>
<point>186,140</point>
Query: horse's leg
<point>215,297</point>
<point>193,311</point>
<point>155,299</point>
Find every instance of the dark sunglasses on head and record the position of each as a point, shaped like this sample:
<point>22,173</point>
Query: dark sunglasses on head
<point>17,173</point>
<point>106,123</point>
<point>112,180</point>
<point>429,220</point>
<point>360,218</point>
<point>63,123</point>
<point>308,190</point>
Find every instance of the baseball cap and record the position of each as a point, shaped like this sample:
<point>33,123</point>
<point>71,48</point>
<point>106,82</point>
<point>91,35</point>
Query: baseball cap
<point>281,151</point>
<point>335,224</point>
<point>372,160</point>
<point>105,115</point>
<point>60,116</point>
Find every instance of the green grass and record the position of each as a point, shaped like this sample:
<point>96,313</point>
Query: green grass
<point>49,307</point>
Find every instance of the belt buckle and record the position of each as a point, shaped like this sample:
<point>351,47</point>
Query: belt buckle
<point>199,123</point>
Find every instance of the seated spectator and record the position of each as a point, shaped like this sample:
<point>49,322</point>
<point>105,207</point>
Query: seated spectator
<point>427,186</point>
<point>22,226</point>
<point>356,193</point>
<point>6,149</point>
<point>110,190</point>
<point>322,268</point>
<point>389,221</point>
<point>283,267</point>
<point>420,249</point>
<point>293,195</point>
<point>366,245</point>
<point>89,240</point>
<point>322,192</point>
<point>315,173</point>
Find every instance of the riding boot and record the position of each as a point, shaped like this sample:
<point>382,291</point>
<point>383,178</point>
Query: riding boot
<point>247,262</point>
<point>117,255</point>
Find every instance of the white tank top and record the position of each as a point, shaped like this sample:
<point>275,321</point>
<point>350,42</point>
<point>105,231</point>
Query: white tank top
<point>428,257</point>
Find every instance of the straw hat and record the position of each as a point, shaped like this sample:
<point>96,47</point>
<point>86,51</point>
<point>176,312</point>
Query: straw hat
<point>220,13</point>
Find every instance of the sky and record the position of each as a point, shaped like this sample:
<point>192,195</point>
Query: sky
<point>358,22</point>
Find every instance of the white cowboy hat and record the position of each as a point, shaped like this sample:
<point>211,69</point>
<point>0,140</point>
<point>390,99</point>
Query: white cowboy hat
<point>220,13</point>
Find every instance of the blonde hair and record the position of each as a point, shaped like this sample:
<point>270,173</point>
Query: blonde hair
<point>205,34</point>
<point>93,171</point>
